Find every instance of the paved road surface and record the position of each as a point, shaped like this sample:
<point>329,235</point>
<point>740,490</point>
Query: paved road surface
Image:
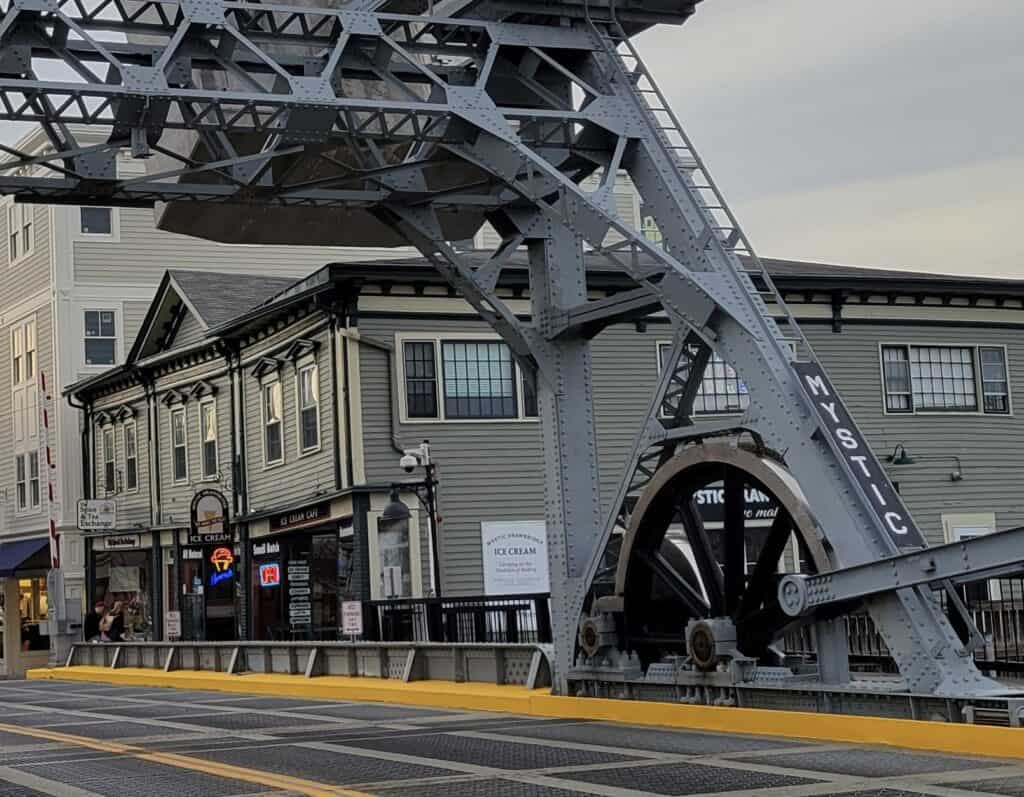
<point>79,740</point>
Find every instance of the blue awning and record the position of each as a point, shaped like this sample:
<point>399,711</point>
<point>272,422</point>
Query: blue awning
<point>14,554</point>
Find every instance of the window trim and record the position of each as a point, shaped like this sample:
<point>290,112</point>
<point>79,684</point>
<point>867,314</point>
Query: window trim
<point>210,401</point>
<point>130,424</point>
<point>114,236</point>
<point>264,384</point>
<point>978,387</point>
<point>436,338</point>
<point>108,488</point>
<point>300,368</point>
<point>18,212</point>
<point>170,429</point>
<point>116,338</point>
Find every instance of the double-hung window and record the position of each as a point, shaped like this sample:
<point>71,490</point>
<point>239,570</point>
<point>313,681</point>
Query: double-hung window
<point>179,445</point>
<point>100,337</point>
<point>309,408</point>
<point>97,221</point>
<point>465,380</point>
<point>20,234</point>
<point>945,379</point>
<point>273,437</point>
<point>33,478</point>
<point>721,389</point>
<point>131,457</point>
<point>109,462</point>
<point>20,483</point>
<point>208,432</point>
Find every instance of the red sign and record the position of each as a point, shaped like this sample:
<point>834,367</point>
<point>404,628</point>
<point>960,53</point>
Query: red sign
<point>270,575</point>
<point>222,559</point>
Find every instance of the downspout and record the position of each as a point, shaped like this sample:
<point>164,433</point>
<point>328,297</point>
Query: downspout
<point>85,408</point>
<point>154,456</point>
<point>238,396</point>
<point>336,435</point>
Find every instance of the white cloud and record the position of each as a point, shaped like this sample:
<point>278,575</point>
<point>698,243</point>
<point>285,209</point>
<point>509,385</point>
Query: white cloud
<point>962,219</point>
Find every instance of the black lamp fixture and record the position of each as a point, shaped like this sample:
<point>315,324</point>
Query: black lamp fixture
<point>396,510</point>
<point>899,456</point>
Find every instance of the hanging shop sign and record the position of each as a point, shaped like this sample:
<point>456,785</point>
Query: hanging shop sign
<point>306,516</point>
<point>270,574</point>
<point>97,514</point>
<point>515,557</point>
<point>222,560</point>
<point>758,508</point>
<point>209,519</point>
<point>846,441</point>
<point>122,542</point>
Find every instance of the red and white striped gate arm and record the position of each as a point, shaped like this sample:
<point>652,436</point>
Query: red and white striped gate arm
<point>51,472</point>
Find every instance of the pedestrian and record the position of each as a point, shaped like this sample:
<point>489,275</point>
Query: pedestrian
<point>112,624</point>
<point>91,626</point>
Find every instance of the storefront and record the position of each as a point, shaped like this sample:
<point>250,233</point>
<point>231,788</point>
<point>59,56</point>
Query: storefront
<point>24,640</point>
<point>302,568</point>
<point>122,569</point>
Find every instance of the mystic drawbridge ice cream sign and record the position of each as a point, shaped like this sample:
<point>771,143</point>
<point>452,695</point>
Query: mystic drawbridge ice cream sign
<point>515,557</point>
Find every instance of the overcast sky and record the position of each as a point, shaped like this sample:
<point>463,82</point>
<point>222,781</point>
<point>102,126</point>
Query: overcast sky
<point>881,132</point>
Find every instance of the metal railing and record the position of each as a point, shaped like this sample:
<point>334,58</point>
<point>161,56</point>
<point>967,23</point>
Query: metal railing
<point>995,605</point>
<point>479,619</point>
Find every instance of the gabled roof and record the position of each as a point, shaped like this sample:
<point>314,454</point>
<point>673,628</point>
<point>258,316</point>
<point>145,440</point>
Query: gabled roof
<point>213,298</point>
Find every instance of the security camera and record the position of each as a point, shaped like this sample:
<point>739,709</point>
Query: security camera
<point>409,463</point>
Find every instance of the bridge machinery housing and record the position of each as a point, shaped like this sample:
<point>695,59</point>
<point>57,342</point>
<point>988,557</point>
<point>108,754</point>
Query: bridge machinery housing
<point>393,122</point>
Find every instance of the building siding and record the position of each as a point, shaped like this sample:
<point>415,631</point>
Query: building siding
<point>133,506</point>
<point>300,477</point>
<point>190,331</point>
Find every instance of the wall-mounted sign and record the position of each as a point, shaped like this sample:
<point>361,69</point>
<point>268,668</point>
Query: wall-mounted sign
<point>847,443</point>
<point>266,549</point>
<point>121,542</point>
<point>270,574</point>
<point>515,557</point>
<point>97,514</point>
<point>221,559</point>
<point>307,516</point>
<point>758,508</point>
<point>191,554</point>
<point>209,519</point>
<point>300,605</point>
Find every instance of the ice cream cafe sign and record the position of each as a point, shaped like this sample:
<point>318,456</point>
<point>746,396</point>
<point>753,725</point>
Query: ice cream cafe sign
<point>515,557</point>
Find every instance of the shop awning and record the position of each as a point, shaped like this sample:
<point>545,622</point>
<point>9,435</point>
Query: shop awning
<point>15,554</point>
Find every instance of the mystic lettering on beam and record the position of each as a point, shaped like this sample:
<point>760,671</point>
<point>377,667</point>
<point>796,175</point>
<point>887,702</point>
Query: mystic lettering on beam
<point>847,440</point>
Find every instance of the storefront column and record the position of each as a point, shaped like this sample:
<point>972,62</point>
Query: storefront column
<point>11,652</point>
<point>244,576</point>
<point>90,576</point>
<point>361,532</point>
<point>157,587</point>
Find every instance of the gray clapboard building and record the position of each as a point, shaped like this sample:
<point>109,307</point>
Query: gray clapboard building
<point>291,401</point>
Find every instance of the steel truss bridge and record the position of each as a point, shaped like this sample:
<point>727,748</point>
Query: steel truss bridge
<point>392,122</point>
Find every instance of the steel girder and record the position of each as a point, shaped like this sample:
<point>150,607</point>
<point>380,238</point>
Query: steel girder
<point>481,110</point>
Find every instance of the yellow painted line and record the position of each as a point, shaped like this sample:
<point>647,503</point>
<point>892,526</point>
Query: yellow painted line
<point>257,776</point>
<point>958,738</point>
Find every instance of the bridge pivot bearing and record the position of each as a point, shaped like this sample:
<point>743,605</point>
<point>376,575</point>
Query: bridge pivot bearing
<point>711,642</point>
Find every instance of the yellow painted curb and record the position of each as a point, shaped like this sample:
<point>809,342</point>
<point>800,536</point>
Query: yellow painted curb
<point>977,740</point>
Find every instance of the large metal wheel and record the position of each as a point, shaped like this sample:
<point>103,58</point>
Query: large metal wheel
<point>734,570</point>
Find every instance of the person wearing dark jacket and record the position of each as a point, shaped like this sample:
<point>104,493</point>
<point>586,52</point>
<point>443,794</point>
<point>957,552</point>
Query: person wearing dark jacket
<point>91,626</point>
<point>112,624</point>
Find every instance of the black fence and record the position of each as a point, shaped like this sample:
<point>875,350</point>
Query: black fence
<point>500,618</point>
<point>996,606</point>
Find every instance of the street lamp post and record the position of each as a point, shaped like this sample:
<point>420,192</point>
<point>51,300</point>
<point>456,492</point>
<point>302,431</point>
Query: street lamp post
<point>426,491</point>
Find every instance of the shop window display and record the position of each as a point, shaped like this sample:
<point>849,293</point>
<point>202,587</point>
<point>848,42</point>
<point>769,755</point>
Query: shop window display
<point>126,577</point>
<point>32,606</point>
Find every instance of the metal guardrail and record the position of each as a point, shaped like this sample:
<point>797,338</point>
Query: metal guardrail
<point>499,663</point>
<point>488,619</point>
